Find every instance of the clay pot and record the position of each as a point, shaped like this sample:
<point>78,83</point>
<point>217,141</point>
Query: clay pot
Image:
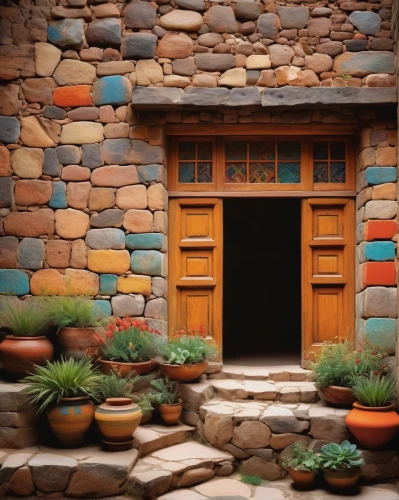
<point>145,418</point>
<point>125,369</point>
<point>19,354</point>
<point>70,420</point>
<point>183,373</point>
<point>302,478</point>
<point>373,427</point>
<point>338,396</point>
<point>78,342</point>
<point>342,478</point>
<point>171,413</point>
<point>117,419</point>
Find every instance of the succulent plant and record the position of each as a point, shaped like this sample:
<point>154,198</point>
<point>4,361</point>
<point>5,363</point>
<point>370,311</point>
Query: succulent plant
<point>340,457</point>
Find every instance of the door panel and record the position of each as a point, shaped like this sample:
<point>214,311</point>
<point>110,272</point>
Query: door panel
<point>195,278</point>
<point>328,232</point>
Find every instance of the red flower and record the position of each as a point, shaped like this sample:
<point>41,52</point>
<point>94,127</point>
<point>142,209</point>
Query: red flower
<point>376,373</point>
<point>358,361</point>
<point>109,334</point>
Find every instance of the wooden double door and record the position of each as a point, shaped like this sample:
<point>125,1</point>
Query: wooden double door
<point>327,274</point>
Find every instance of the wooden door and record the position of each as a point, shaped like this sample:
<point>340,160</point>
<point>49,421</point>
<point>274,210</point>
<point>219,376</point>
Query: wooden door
<point>328,239</point>
<point>195,273</point>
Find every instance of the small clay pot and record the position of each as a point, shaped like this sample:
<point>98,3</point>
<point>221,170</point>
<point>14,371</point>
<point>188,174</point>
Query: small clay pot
<point>373,426</point>
<point>302,478</point>
<point>338,396</point>
<point>342,478</point>
<point>70,420</point>
<point>170,414</point>
<point>183,373</point>
<point>19,354</point>
<point>78,342</point>
<point>125,369</point>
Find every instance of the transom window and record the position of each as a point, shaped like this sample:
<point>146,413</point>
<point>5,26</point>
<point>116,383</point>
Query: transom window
<point>261,163</point>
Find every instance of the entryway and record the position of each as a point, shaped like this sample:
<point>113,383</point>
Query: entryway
<point>262,279</point>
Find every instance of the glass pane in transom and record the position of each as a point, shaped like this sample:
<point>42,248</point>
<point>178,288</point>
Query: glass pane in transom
<point>187,150</point>
<point>320,172</point>
<point>236,172</point>
<point>186,173</point>
<point>262,150</point>
<point>204,172</point>
<point>289,150</point>
<point>337,172</point>
<point>236,150</point>
<point>320,151</point>
<point>289,173</point>
<point>261,173</point>
<point>204,150</point>
<point>337,150</point>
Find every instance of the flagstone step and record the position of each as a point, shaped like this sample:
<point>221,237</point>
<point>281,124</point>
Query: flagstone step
<point>278,373</point>
<point>152,437</point>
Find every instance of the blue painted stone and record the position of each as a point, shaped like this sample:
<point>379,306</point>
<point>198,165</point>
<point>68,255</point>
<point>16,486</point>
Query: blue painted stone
<point>68,154</point>
<point>14,282</point>
<point>147,262</point>
<point>51,164</point>
<point>112,90</point>
<point>151,173</point>
<point>380,175</point>
<point>368,23</point>
<point>31,253</point>
<point>91,156</point>
<point>382,331</point>
<point>102,309</point>
<point>54,113</point>
<point>379,250</point>
<point>147,241</point>
<point>365,63</point>
<point>58,197</point>
<point>9,129</point>
<point>108,284</point>
<point>68,33</point>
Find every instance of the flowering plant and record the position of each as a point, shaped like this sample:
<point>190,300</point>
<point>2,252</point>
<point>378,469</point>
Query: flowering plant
<point>340,364</point>
<point>188,347</point>
<point>130,341</point>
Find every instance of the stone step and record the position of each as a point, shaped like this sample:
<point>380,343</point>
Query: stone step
<point>278,373</point>
<point>152,437</point>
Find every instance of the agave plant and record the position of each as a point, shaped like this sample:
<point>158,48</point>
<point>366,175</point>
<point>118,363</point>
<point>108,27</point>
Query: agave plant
<point>340,457</point>
<point>376,391</point>
<point>113,386</point>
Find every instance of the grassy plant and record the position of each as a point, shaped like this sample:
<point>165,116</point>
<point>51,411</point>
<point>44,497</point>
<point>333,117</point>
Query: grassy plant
<point>131,346</point>
<point>375,391</point>
<point>113,386</point>
<point>75,312</point>
<point>165,392</point>
<point>253,480</point>
<point>340,457</point>
<point>25,319</point>
<point>302,459</point>
<point>187,349</point>
<point>63,379</point>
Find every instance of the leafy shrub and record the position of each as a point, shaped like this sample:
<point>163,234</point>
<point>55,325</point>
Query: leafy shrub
<point>187,349</point>
<point>302,459</point>
<point>76,312</point>
<point>165,392</point>
<point>26,318</point>
<point>145,403</point>
<point>375,391</point>
<point>340,457</point>
<point>113,386</point>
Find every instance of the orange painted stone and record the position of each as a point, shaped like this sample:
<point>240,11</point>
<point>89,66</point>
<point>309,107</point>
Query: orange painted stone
<point>378,273</point>
<point>380,230</point>
<point>29,224</point>
<point>79,95</point>
<point>73,282</point>
<point>134,284</point>
<point>108,261</point>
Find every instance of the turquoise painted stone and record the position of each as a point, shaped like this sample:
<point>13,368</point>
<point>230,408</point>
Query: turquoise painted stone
<point>380,175</point>
<point>58,197</point>
<point>68,33</point>
<point>147,262</point>
<point>112,90</point>
<point>151,173</point>
<point>147,241</point>
<point>102,309</point>
<point>382,331</point>
<point>14,282</point>
<point>108,284</point>
<point>379,250</point>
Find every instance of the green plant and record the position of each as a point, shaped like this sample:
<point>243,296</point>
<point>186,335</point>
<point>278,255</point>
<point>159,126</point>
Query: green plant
<point>340,364</point>
<point>26,318</point>
<point>187,349</point>
<point>77,312</point>
<point>375,391</point>
<point>340,457</point>
<point>63,379</point>
<point>145,404</point>
<point>113,386</point>
<point>302,459</point>
<point>133,345</point>
<point>165,392</point>
<point>253,480</point>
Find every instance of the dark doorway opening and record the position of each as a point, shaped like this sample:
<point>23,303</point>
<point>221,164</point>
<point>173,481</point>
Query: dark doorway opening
<point>262,278</point>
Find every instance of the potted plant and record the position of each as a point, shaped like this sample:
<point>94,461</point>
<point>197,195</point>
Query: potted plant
<point>341,464</point>
<point>65,389</point>
<point>166,397</point>
<point>117,417</point>
<point>129,345</point>
<point>373,419</point>
<point>26,346</point>
<point>146,407</point>
<point>76,319</point>
<point>302,465</point>
<point>186,355</point>
<point>337,367</point>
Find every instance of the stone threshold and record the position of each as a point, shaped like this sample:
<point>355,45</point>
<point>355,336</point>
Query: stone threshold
<point>170,98</point>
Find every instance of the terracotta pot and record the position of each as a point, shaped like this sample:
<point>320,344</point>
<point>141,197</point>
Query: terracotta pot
<point>342,478</point>
<point>373,427</point>
<point>339,396</point>
<point>77,342</point>
<point>19,354</point>
<point>146,418</point>
<point>125,369</point>
<point>71,419</point>
<point>171,413</point>
<point>183,373</point>
<point>302,478</point>
<point>117,419</point>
